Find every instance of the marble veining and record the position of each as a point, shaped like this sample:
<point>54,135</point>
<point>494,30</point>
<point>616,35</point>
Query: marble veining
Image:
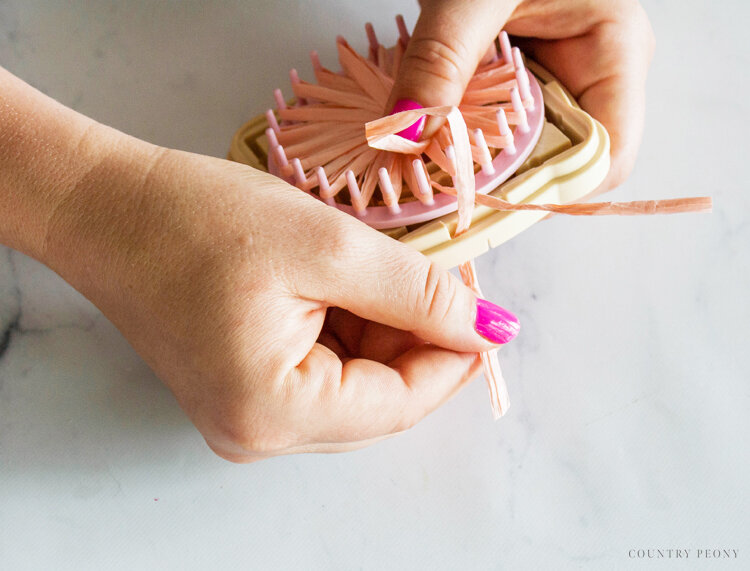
<point>629,380</point>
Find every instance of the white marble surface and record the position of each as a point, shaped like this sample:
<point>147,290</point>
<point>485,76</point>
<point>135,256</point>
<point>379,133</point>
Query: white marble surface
<point>629,382</point>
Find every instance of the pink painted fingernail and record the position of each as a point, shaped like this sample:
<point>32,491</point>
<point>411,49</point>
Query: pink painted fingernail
<point>495,323</point>
<point>414,131</point>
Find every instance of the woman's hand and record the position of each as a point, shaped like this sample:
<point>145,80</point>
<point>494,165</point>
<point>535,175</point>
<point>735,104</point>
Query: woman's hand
<point>281,325</point>
<point>599,50</point>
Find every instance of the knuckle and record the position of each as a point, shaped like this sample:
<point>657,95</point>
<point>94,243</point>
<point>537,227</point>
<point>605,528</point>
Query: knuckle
<point>258,440</point>
<point>438,293</point>
<point>241,433</point>
<point>232,457</point>
<point>407,422</point>
<point>341,240</point>
<point>264,444</point>
<point>438,58</point>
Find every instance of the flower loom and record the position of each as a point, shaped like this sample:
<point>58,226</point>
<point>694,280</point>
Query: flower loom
<point>516,149</point>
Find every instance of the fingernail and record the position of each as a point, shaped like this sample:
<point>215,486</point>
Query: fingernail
<point>414,131</point>
<point>495,323</point>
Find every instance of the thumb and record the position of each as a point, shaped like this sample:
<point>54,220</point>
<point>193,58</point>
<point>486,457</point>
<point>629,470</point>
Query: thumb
<point>383,280</point>
<point>449,40</point>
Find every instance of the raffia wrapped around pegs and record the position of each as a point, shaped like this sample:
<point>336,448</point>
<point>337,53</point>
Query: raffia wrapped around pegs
<point>319,144</point>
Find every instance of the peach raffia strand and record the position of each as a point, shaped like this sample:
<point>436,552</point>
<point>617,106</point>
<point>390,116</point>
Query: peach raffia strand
<point>492,372</point>
<point>381,134</point>
<point>633,208</point>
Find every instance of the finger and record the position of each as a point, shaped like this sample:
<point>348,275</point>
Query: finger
<point>332,342</point>
<point>382,280</point>
<point>619,105</point>
<point>368,339</point>
<point>347,327</point>
<point>449,40</point>
<point>385,344</point>
<point>605,69</point>
<point>365,399</point>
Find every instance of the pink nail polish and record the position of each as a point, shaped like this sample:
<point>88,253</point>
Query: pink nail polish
<point>414,131</point>
<point>495,323</point>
